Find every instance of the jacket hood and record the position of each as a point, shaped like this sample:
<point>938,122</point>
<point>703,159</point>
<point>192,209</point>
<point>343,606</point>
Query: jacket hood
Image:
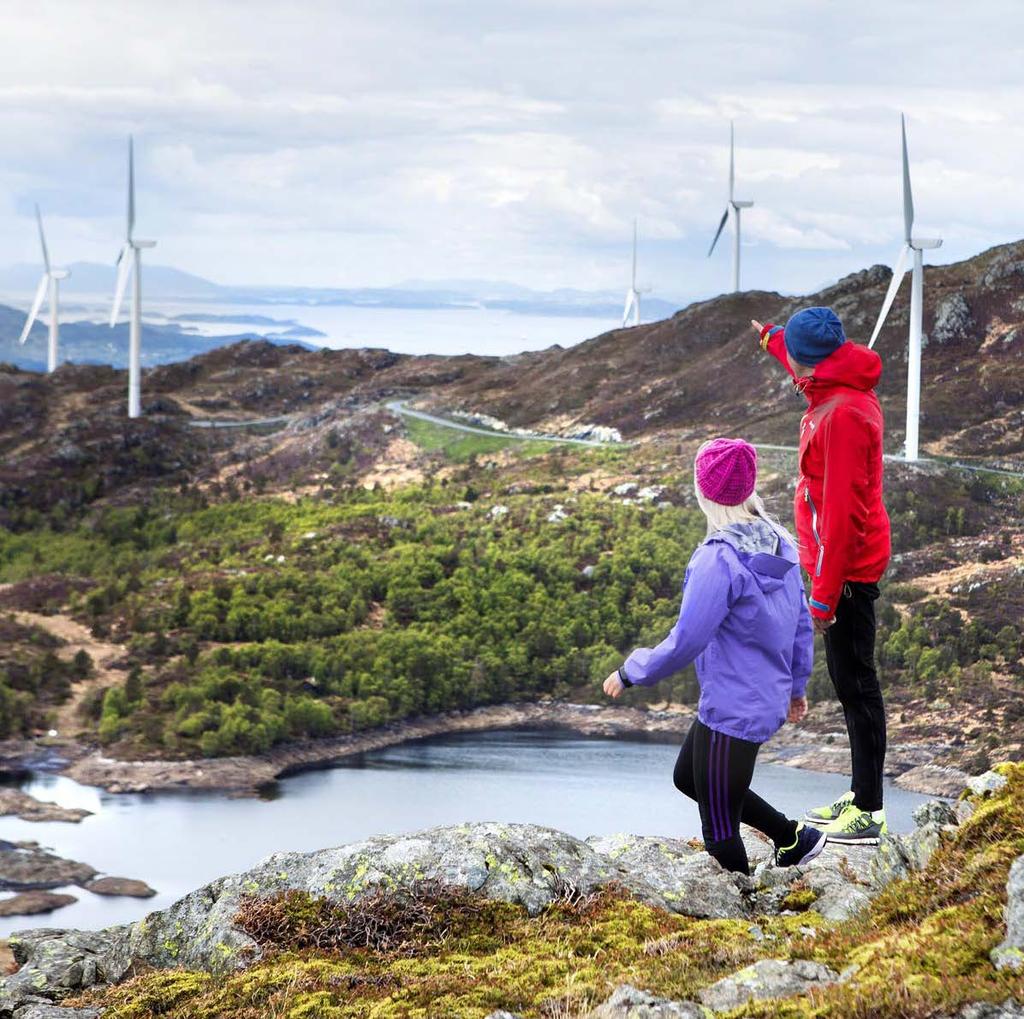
<point>765,551</point>
<point>851,365</point>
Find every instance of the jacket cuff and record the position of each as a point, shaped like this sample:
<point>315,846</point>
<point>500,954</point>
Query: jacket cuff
<point>626,681</point>
<point>821,609</point>
<point>767,332</point>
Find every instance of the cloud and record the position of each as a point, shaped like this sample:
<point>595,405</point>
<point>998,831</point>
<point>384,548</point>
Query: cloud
<point>329,143</point>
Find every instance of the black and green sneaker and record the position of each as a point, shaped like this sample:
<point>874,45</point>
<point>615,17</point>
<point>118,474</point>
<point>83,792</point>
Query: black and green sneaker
<point>856,827</point>
<point>826,815</point>
<point>807,844</point>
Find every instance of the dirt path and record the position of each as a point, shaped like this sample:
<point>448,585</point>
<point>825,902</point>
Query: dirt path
<point>78,638</point>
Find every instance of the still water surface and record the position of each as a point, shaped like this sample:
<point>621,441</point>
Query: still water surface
<point>179,841</point>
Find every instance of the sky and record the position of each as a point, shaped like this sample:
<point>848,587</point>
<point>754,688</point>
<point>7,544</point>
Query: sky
<point>350,143</point>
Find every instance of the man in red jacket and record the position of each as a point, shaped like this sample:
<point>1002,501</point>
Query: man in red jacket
<point>843,531</point>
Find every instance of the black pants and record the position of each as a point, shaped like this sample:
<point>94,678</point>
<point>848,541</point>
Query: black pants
<point>715,770</point>
<point>850,652</point>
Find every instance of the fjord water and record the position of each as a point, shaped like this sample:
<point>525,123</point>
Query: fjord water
<point>179,841</point>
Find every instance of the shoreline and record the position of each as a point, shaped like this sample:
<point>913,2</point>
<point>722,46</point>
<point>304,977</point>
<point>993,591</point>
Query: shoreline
<point>912,766</point>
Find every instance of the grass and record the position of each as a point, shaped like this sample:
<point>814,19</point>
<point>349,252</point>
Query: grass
<point>461,446</point>
<point>922,949</point>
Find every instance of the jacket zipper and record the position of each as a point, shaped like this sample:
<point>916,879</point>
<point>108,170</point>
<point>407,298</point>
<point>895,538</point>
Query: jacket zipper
<point>814,528</point>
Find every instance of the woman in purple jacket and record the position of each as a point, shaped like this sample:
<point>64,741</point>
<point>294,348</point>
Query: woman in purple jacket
<point>745,624</point>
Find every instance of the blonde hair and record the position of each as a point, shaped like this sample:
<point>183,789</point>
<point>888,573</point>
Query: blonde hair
<point>720,516</point>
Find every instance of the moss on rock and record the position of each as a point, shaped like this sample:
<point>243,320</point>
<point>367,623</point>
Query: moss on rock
<point>922,949</point>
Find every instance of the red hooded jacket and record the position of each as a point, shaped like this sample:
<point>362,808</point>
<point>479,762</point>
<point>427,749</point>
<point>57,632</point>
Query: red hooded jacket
<point>841,523</point>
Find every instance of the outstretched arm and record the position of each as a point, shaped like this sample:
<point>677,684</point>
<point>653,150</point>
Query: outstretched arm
<point>707,596</point>
<point>772,339</point>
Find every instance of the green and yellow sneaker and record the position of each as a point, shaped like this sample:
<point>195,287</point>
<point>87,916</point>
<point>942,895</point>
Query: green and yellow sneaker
<point>826,815</point>
<point>856,827</point>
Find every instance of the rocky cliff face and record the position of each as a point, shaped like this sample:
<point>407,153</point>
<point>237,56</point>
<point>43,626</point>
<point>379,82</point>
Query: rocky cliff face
<point>469,918</point>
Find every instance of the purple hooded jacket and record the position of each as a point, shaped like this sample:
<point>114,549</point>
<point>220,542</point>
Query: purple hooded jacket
<point>744,621</point>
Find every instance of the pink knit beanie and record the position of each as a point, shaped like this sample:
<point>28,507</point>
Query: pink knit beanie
<point>726,471</point>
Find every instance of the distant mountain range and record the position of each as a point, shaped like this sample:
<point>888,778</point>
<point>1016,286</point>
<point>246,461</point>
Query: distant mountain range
<point>91,278</point>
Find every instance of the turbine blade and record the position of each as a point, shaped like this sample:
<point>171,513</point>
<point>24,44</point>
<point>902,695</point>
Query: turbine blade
<point>36,305</point>
<point>42,240</point>
<point>124,271</point>
<point>131,186</point>
<point>732,159</point>
<point>908,197</point>
<point>718,232</point>
<point>630,297</point>
<point>898,272</point>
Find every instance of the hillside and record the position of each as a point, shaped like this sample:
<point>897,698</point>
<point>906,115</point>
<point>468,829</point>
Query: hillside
<point>339,565</point>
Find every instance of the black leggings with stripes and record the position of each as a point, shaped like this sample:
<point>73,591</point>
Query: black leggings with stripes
<point>716,770</point>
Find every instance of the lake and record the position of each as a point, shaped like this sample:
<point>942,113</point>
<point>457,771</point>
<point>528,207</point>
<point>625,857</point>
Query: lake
<point>179,841</point>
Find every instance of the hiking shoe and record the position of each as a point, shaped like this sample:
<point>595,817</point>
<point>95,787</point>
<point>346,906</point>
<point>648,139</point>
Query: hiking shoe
<point>809,842</point>
<point>856,827</point>
<point>826,815</point>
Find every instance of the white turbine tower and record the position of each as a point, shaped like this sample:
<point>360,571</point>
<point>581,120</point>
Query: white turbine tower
<point>50,281</point>
<point>917,245</point>
<point>632,309</point>
<point>129,264</point>
<point>737,206</point>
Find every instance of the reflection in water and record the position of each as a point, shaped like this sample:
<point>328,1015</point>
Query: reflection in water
<point>179,841</point>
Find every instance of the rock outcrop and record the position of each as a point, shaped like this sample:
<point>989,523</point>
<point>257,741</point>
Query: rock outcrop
<point>528,865</point>
<point>769,978</point>
<point>1010,954</point>
<point>628,1002</point>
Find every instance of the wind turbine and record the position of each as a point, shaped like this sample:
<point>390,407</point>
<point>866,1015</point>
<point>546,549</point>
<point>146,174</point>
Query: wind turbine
<point>50,281</point>
<point>736,205</point>
<point>632,308</point>
<point>917,245</point>
<point>129,264</point>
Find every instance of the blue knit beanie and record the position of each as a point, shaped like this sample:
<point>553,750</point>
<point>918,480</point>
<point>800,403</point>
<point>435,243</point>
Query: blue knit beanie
<point>812,334</point>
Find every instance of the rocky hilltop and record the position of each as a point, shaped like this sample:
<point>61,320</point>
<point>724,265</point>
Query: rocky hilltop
<point>473,919</point>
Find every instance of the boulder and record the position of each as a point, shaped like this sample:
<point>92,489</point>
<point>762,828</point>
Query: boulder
<point>769,978</point>
<point>57,1012</point>
<point>989,782</point>
<point>1009,1009</point>
<point>933,780</point>
<point>627,1002</point>
<point>55,963</point>
<point>1010,953</point>
<point>119,886</point>
<point>25,866</point>
<point>672,874</point>
<point>839,877</point>
<point>30,903</point>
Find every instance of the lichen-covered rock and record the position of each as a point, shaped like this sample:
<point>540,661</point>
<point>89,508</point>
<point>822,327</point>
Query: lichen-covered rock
<point>57,1012</point>
<point>56,962</point>
<point>628,1002</point>
<point>672,874</point>
<point>839,879</point>
<point>1010,954</point>
<point>1009,1009</point>
<point>935,812</point>
<point>769,978</point>
<point>989,782</point>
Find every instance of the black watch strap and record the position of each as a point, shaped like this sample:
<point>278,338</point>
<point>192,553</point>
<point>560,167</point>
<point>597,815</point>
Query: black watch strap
<point>625,679</point>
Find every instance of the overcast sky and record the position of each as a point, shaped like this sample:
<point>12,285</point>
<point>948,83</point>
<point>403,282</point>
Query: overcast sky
<point>348,143</point>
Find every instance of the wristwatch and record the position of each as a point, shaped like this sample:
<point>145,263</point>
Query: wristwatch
<point>623,677</point>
